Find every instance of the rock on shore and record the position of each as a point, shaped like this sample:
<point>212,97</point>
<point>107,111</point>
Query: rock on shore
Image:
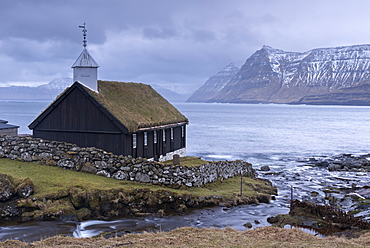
<point>344,162</point>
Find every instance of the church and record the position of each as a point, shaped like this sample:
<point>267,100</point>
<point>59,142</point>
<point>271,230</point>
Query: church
<point>121,118</point>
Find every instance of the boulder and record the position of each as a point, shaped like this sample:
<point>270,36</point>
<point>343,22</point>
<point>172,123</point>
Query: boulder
<point>176,159</point>
<point>141,177</point>
<point>25,188</point>
<point>89,168</point>
<point>265,168</point>
<point>322,164</point>
<point>6,188</point>
<point>334,167</point>
<point>248,225</point>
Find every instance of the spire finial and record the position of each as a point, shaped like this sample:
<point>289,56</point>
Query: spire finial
<point>84,31</point>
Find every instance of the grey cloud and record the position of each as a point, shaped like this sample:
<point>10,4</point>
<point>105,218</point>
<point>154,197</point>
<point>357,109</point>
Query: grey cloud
<point>202,35</point>
<point>165,41</point>
<point>158,33</point>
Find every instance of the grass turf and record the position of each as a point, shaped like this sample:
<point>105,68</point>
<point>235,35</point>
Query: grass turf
<point>51,181</point>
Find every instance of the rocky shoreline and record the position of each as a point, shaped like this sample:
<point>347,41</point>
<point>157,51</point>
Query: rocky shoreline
<point>322,219</point>
<point>339,200</point>
<point>343,162</point>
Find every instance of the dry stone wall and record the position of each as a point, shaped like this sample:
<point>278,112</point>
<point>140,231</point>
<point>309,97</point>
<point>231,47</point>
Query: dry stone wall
<point>99,162</point>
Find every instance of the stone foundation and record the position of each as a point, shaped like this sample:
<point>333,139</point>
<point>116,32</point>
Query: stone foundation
<point>169,156</point>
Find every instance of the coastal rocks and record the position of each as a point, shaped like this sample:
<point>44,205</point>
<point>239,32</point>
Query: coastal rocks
<point>322,219</point>
<point>248,225</point>
<point>344,162</point>
<point>265,168</point>
<point>334,167</point>
<point>327,215</point>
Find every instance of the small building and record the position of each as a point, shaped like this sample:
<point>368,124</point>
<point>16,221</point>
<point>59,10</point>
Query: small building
<point>8,129</point>
<point>122,118</point>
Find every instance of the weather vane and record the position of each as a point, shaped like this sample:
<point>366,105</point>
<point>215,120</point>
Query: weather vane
<point>84,31</point>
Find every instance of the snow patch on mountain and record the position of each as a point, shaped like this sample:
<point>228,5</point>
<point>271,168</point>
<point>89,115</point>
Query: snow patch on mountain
<point>274,75</point>
<point>57,84</point>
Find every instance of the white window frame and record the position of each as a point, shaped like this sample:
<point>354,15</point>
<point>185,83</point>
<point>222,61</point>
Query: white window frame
<point>145,138</point>
<point>164,135</point>
<point>171,133</point>
<point>155,137</point>
<point>182,131</point>
<point>134,141</point>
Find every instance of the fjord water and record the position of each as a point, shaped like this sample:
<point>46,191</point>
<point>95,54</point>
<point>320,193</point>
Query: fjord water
<point>262,134</point>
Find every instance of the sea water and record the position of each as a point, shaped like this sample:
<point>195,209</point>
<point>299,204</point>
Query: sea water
<point>263,132</point>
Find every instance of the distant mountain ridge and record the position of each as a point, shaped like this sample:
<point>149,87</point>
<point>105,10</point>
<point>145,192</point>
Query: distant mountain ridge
<point>214,84</point>
<point>52,89</point>
<point>339,75</point>
<point>42,92</point>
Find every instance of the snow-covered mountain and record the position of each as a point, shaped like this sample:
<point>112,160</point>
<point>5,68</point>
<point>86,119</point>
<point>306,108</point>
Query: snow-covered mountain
<point>52,89</point>
<point>57,84</point>
<point>337,75</point>
<point>47,91</point>
<point>214,84</point>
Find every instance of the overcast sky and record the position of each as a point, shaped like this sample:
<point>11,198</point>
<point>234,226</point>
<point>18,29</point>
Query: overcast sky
<point>173,43</point>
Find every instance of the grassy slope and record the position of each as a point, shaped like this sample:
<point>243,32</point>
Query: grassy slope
<point>189,161</point>
<point>51,181</point>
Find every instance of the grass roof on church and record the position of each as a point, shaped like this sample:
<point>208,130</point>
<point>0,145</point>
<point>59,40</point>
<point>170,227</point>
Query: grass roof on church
<point>136,105</point>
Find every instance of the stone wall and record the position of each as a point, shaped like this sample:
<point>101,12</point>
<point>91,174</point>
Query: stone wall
<point>99,162</point>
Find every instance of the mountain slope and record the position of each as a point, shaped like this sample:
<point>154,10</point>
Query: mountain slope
<point>214,84</point>
<point>43,92</point>
<point>170,95</point>
<point>275,76</point>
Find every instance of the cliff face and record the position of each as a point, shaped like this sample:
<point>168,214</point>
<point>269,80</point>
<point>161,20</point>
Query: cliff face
<point>320,76</point>
<point>214,84</point>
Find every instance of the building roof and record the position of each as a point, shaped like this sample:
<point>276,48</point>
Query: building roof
<point>136,106</point>
<point>85,60</point>
<point>4,125</point>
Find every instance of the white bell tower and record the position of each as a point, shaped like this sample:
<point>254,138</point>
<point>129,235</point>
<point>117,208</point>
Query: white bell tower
<point>85,69</point>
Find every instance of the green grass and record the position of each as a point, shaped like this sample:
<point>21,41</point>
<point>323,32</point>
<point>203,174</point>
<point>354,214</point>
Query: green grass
<point>189,161</point>
<point>51,181</point>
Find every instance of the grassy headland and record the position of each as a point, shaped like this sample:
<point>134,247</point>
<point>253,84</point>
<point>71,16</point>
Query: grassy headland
<point>60,193</point>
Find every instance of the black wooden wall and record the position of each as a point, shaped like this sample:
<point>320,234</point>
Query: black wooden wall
<point>79,119</point>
